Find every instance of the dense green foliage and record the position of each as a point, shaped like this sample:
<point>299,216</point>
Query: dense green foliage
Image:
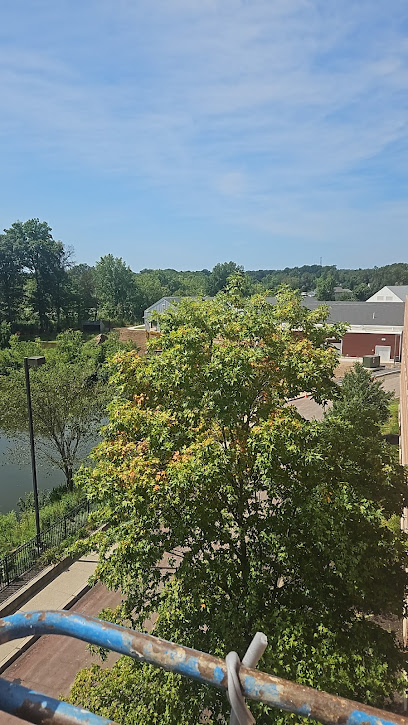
<point>325,287</point>
<point>115,288</point>
<point>30,248</point>
<point>18,527</point>
<point>364,397</point>
<point>41,288</point>
<point>391,427</point>
<point>362,282</point>
<point>265,521</point>
<point>69,395</point>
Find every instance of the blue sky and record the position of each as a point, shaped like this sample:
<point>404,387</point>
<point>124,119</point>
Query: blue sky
<point>181,133</point>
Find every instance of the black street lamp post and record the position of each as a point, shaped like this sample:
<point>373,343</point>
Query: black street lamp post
<point>33,362</point>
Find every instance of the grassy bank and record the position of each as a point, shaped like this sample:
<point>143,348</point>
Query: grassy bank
<point>18,527</point>
<point>391,427</point>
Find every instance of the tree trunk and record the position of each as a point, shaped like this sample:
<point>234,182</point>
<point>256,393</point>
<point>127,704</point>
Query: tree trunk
<point>69,477</point>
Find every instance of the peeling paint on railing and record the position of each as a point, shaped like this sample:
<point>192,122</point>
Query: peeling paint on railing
<point>205,668</point>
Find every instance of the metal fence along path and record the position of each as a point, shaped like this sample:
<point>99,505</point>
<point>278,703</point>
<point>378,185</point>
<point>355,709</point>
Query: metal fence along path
<point>20,561</point>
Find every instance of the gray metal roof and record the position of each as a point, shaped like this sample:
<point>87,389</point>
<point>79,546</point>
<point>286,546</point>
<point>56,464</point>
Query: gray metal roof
<point>377,314</point>
<point>163,299</point>
<point>400,290</point>
<point>389,314</point>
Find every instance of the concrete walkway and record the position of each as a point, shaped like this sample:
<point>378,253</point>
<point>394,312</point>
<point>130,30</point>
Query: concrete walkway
<point>61,593</point>
<point>309,409</point>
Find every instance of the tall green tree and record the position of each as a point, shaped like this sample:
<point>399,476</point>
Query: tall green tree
<point>46,261</point>
<point>152,284</point>
<point>11,278</point>
<point>68,399</point>
<point>325,287</point>
<point>363,396</point>
<point>115,288</point>
<point>362,292</point>
<point>218,278</point>
<point>83,302</point>
<point>229,513</point>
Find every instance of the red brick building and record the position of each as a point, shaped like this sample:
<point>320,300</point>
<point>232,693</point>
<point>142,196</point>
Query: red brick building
<point>375,328</point>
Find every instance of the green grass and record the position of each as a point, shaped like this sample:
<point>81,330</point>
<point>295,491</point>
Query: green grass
<point>16,529</point>
<point>392,426</point>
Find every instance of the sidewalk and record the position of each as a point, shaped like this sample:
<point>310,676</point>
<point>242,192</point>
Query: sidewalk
<point>387,371</point>
<point>61,593</point>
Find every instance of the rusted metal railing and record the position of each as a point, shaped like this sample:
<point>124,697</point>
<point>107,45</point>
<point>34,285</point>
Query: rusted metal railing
<point>274,691</point>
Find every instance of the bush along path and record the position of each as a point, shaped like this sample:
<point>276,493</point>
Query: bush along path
<point>22,564</point>
<point>18,527</point>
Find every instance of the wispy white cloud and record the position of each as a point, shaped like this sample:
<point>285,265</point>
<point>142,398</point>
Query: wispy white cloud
<point>286,111</point>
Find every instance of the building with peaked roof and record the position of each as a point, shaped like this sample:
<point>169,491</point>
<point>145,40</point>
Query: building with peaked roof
<point>394,293</point>
<point>374,328</point>
<point>342,292</point>
<point>150,313</point>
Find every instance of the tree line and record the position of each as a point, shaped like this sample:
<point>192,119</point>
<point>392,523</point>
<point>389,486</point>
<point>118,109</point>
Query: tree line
<point>358,284</point>
<point>43,289</point>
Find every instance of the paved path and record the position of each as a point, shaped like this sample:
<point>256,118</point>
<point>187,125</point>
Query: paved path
<point>310,410</point>
<point>60,593</point>
<point>50,665</point>
<point>391,383</point>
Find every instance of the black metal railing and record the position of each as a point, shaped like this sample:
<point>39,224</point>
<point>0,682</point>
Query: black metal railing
<point>25,557</point>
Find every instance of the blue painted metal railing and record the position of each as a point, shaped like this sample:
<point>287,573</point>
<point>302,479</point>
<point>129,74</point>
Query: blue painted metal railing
<point>274,691</point>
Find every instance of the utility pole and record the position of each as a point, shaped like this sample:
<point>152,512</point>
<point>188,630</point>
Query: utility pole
<point>33,362</point>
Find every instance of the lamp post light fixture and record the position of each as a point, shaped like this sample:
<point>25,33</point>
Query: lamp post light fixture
<point>33,362</point>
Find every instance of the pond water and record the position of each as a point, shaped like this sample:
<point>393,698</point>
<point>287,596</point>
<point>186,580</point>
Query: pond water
<point>15,472</point>
<point>16,477</point>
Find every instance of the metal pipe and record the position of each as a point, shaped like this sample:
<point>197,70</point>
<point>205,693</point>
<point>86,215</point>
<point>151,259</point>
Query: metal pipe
<point>32,448</point>
<point>40,709</point>
<point>273,691</point>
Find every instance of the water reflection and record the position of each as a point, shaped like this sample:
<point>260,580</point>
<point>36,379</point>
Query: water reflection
<point>15,472</point>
